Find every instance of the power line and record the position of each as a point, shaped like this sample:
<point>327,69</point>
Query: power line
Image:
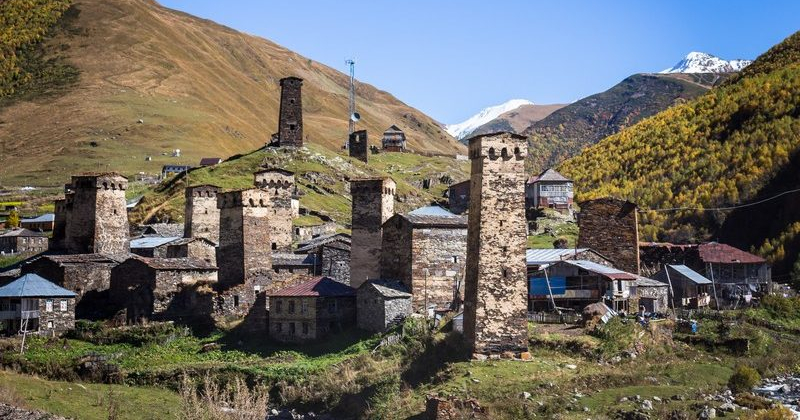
<point>722,208</point>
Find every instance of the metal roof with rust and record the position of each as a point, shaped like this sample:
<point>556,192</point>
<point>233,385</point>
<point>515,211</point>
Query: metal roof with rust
<point>318,287</point>
<point>715,252</point>
<point>609,272</point>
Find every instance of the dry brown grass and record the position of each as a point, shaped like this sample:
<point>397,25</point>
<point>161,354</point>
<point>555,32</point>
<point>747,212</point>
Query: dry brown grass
<point>198,86</point>
<point>211,401</point>
<point>11,397</point>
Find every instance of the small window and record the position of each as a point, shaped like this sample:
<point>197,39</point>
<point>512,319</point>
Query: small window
<point>48,305</point>
<point>278,306</point>
<point>304,307</point>
<point>274,246</point>
<point>501,223</point>
<point>291,328</point>
<point>279,327</point>
<point>505,273</point>
<point>305,328</point>
<point>63,305</point>
<point>291,307</point>
<point>292,127</point>
<point>455,259</point>
<point>49,325</point>
<point>332,307</point>
<point>235,301</point>
<point>257,288</point>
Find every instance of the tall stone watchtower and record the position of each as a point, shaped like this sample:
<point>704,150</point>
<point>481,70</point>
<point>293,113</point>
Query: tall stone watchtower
<point>290,119</point>
<point>59,225</point>
<point>280,187</point>
<point>243,255</point>
<point>201,213</point>
<point>373,204</point>
<point>97,220</point>
<point>495,292</point>
<point>357,145</point>
<point>610,226</point>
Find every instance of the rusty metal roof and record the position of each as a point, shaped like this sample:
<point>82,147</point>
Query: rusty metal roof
<point>320,286</point>
<point>715,252</point>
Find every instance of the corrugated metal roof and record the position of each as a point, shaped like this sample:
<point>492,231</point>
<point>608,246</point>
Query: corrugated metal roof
<point>32,285</point>
<point>549,256</point>
<point>715,252</point>
<point>147,242</point>
<point>48,217</point>
<point>690,274</point>
<point>321,286</point>
<point>604,271</point>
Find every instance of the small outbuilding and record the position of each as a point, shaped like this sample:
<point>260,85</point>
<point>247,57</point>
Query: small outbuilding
<point>311,310</point>
<point>652,295</point>
<point>382,304</point>
<point>32,303</point>
<point>690,288</point>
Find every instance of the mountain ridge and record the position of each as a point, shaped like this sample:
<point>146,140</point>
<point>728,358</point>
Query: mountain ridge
<point>699,62</point>
<point>465,128</point>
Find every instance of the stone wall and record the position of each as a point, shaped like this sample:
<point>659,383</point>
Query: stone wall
<point>194,249</point>
<point>358,146</point>
<point>97,220</point>
<point>201,213</point>
<point>396,259</point>
<point>62,320</point>
<point>495,308</point>
<point>609,226</point>
<point>290,119</point>
<point>59,225</point>
<point>23,244</point>
<point>86,275</point>
<point>376,313</point>
<point>335,262</point>
<point>288,315</point>
<point>373,204</point>
<point>458,197</point>
<point>659,294</point>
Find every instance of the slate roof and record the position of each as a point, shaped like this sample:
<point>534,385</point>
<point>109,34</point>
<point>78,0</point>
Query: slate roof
<point>609,272</point>
<point>690,274</point>
<point>147,242</point>
<point>549,175</point>
<point>177,263</point>
<point>48,217</point>
<point>647,282</point>
<point>164,229</point>
<point>322,240</point>
<point>210,161</point>
<point>184,241</point>
<point>21,232</point>
<point>320,286</point>
<point>32,285</point>
<point>715,252</point>
<point>389,289</point>
<point>83,259</point>
<point>434,216</point>
<point>287,258</point>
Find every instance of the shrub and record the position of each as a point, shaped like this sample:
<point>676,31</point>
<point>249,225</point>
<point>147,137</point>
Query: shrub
<point>137,335</point>
<point>777,413</point>
<point>781,307</point>
<point>234,401</point>
<point>744,378</point>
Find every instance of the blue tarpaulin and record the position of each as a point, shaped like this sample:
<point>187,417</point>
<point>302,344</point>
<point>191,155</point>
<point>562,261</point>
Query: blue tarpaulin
<point>538,286</point>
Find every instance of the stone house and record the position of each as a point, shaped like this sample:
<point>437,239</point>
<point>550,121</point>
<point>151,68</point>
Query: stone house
<point>43,223</point>
<point>88,275</point>
<point>146,288</point>
<point>458,197</point>
<point>551,190</point>
<point>690,288</point>
<point>332,253</point>
<point>651,295</point>
<point>394,139</point>
<point>201,248</point>
<point>426,250</point>
<point>286,265</point>
<point>23,241</point>
<point>577,283</point>
<point>311,310</point>
<point>34,304</point>
<point>152,246</point>
<point>382,304</point>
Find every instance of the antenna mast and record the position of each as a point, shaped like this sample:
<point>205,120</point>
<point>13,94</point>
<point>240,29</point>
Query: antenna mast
<point>354,117</point>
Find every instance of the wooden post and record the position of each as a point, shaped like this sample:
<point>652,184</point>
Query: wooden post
<point>671,291</point>
<point>550,291</point>
<point>714,285</point>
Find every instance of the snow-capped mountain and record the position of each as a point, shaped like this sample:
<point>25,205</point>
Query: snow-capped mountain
<point>698,62</point>
<point>464,129</point>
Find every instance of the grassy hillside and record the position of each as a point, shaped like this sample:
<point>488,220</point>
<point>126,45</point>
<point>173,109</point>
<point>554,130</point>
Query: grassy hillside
<point>566,131</point>
<point>727,147</point>
<point>321,176</point>
<point>195,85</point>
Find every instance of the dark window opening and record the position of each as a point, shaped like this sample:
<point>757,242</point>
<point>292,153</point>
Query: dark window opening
<point>305,328</point>
<point>235,301</point>
<point>292,127</point>
<point>274,246</point>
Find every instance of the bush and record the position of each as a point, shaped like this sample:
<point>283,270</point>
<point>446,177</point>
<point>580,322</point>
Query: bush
<point>234,401</point>
<point>744,378</point>
<point>778,413</point>
<point>137,335</point>
<point>781,307</point>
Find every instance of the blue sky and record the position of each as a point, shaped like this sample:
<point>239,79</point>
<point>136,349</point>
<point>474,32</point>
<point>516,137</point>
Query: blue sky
<point>452,58</point>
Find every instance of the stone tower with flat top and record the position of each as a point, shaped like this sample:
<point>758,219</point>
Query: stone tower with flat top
<point>201,213</point>
<point>495,292</point>
<point>290,119</point>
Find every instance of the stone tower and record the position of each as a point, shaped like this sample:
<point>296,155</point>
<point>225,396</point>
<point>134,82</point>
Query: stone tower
<point>59,225</point>
<point>243,255</point>
<point>97,220</point>
<point>373,204</point>
<point>610,227</point>
<point>201,213</point>
<point>280,187</point>
<point>358,146</point>
<point>290,119</point>
<point>495,291</point>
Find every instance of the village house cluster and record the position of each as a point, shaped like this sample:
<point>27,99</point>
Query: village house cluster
<point>238,255</point>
